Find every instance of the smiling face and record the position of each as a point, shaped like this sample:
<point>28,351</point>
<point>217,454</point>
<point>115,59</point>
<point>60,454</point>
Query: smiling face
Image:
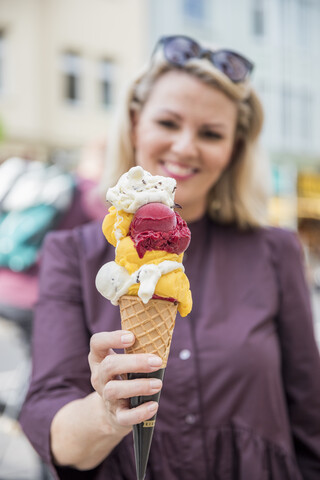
<point>186,130</point>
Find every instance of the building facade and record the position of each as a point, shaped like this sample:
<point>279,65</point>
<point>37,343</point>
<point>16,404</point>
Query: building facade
<point>62,65</point>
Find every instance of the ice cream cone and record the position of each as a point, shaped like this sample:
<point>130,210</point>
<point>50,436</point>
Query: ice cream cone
<point>152,325</point>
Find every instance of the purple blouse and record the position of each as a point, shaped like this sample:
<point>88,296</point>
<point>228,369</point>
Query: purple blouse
<point>241,394</point>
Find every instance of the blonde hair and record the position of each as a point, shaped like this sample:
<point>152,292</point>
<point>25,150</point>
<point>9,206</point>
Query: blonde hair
<point>241,193</point>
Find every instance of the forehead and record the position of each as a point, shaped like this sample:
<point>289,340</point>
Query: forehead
<point>185,92</point>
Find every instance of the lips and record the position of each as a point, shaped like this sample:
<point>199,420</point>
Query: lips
<point>178,170</point>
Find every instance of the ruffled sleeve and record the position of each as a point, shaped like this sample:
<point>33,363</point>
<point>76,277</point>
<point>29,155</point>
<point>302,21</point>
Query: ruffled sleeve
<point>300,355</point>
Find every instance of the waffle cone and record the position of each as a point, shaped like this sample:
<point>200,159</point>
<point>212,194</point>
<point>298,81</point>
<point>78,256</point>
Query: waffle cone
<point>151,323</point>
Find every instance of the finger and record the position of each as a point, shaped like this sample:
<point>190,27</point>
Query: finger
<point>103,343</point>
<point>116,365</point>
<point>133,416</point>
<point>116,390</point>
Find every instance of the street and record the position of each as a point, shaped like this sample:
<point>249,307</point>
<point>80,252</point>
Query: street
<point>18,460</point>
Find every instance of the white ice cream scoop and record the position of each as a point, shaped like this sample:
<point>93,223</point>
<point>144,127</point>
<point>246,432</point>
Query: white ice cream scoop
<point>138,187</point>
<point>113,281</point>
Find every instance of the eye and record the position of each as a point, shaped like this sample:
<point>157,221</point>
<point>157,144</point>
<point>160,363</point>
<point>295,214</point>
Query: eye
<point>167,124</point>
<point>211,135</point>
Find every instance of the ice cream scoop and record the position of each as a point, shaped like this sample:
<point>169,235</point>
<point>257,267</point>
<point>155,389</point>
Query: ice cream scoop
<point>138,187</point>
<point>157,227</point>
<point>153,216</point>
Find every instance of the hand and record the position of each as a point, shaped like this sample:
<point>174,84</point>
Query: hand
<point>108,378</point>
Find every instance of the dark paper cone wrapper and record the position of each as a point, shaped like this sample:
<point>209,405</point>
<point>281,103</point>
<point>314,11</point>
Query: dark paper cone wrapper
<point>143,432</point>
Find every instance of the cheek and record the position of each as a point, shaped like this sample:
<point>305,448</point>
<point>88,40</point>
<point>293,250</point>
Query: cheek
<point>226,157</point>
<point>142,150</point>
<point>218,158</point>
<point>151,143</point>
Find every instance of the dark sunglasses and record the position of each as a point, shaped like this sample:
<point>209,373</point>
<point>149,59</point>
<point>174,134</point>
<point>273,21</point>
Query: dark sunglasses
<point>179,49</point>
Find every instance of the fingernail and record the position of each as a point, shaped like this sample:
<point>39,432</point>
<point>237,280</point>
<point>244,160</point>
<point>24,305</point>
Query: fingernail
<point>154,361</point>
<point>127,338</point>
<point>152,407</point>
<point>155,384</point>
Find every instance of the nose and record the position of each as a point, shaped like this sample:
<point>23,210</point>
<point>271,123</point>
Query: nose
<point>185,144</point>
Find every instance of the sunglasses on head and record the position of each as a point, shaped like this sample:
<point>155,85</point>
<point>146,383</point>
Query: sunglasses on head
<point>178,50</point>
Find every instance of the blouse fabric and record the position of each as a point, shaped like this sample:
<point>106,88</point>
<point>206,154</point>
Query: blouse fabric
<point>241,394</point>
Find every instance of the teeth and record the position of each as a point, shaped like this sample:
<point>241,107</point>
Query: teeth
<point>178,169</point>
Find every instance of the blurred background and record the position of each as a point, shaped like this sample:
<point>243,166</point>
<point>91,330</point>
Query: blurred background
<point>63,64</point>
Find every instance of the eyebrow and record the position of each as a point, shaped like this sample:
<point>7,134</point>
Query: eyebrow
<point>171,112</point>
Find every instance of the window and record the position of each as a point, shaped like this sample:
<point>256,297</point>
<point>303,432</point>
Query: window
<point>305,24</point>
<point>194,9</point>
<point>297,117</point>
<point>106,78</point>
<point>285,21</point>
<point>72,69</point>
<point>258,18</point>
<point>286,113</point>
<point>305,117</point>
<point>2,46</point>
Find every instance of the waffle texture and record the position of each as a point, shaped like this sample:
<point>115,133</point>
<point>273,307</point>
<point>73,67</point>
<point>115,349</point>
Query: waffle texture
<point>151,323</point>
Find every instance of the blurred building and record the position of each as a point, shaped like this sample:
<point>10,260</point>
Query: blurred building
<point>62,64</point>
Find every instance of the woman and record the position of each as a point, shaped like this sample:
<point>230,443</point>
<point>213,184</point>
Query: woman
<point>241,397</point>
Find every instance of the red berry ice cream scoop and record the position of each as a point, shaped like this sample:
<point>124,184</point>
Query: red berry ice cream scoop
<point>154,216</point>
<point>157,227</point>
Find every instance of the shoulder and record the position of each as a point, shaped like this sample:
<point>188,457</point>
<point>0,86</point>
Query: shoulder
<point>84,239</point>
<point>270,245</point>
<point>70,261</point>
<point>281,247</point>
<point>274,237</point>
<point>287,257</point>
<point>76,250</point>
<point>282,242</point>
